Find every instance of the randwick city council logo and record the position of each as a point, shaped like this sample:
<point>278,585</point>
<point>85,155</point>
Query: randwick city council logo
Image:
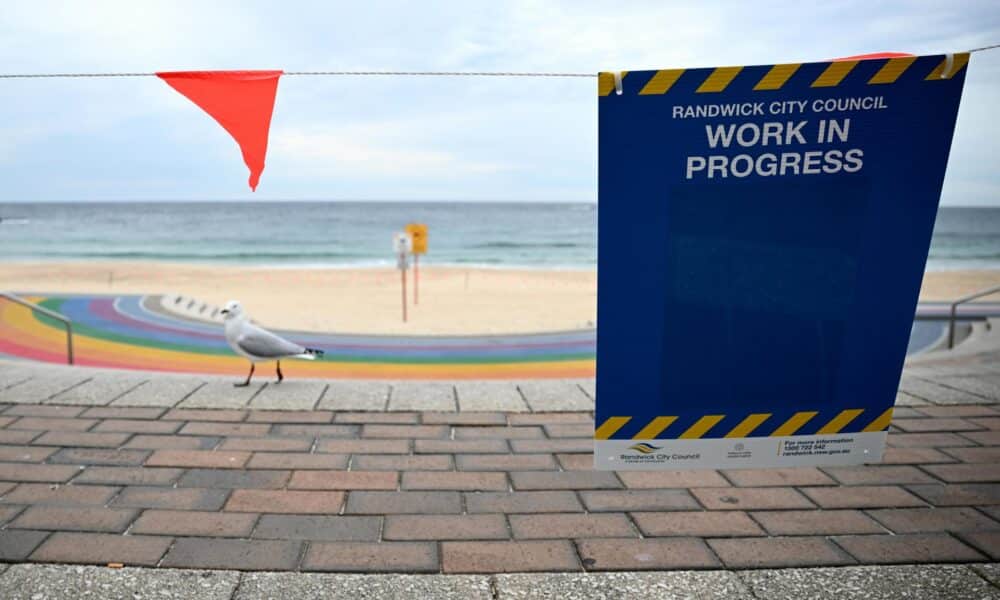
<point>645,448</point>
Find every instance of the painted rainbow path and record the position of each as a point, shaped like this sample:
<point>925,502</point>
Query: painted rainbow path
<point>135,332</point>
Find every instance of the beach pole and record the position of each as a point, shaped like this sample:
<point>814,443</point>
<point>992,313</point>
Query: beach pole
<point>402,244</point>
<point>416,279</point>
<point>402,273</point>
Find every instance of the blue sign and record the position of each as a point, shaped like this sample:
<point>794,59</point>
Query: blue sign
<point>763,232</point>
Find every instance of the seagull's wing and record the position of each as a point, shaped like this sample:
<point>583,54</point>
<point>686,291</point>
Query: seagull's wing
<point>260,342</point>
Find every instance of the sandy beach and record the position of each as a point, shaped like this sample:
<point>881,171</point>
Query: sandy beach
<point>452,300</point>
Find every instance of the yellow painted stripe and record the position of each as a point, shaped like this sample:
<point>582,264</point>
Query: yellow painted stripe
<point>654,428</point>
<point>747,425</point>
<point>661,82</point>
<point>793,424</point>
<point>606,82</point>
<point>840,421</point>
<point>776,77</point>
<point>881,423</point>
<point>892,69</point>
<point>719,79</point>
<point>959,60</point>
<point>835,73</point>
<point>609,427</point>
<point>701,427</point>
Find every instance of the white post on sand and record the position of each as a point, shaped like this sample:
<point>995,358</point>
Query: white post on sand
<point>402,245</point>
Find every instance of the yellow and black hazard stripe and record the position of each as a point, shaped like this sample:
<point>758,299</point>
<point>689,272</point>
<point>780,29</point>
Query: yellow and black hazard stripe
<point>775,77</point>
<point>754,425</point>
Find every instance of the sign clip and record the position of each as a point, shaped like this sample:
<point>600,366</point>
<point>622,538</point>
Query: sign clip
<point>618,82</point>
<point>949,62</point>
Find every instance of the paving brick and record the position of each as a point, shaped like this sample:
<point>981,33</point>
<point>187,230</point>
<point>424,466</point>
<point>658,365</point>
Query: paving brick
<point>18,437</point>
<point>637,555</point>
<point>445,527</point>
<point>9,512</point>
<point>229,478</point>
<point>862,497</point>
<point>913,456</point>
<point>506,433</point>
<point>33,454</point>
<point>6,486</point>
<point>577,462</point>
<point>40,389</point>
<point>285,501</point>
<point>987,542</point>
<point>422,396</point>
<point>551,418</point>
<point>751,498</point>
<point>672,479</point>
<point>972,410</point>
<point>364,446</point>
<point>561,526</point>
<point>974,455</point>
<point>452,480</point>
<point>290,416</point>
<point>463,418</point>
<point>75,518</point>
<point>129,475</point>
<point>968,494</point>
<point>324,431</point>
<point>190,414</point>
<point>921,520</point>
<point>322,528</point>
<point>100,456</point>
<point>522,502</point>
<point>136,426</point>
<point>569,430</point>
<point>122,412</point>
<point>221,394</point>
<point>344,480</point>
<point>506,462</point>
<point>508,557</point>
<point>926,440</point>
<point>268,444</point>
<point>366,557</point>
<point>405,431</point>
<point>194,523</point>
<point>401,503</point>
<point>173,442</point>
<point>777,552</point>
<point>565,480</point>
<point>545,395</point>
<point>391,462</point>
<point>630,500</point>
<point>17,544</point>
<point>879,475</point>
<point>385,418</point>
<point>816,522</point>
<point>52,424</point>
<point>777,477</point>
<point>696,524</point>
<point>282,460</point>
<point>198,458</point>
<point>568,445</point>
<point>36,472</point>
<point>171,498</point>
<point>971,473</point>
<point>983,438</point>
<point>489,395</point>
<point>103,548</point>
<point>36,410</point>
<point>226,429</point>
<point>461,447</point>
<point>910,548</point>
<point>356,395</point>
<point>221,553</point>
<point>162,391</point>
<point>935,424</point>
<point>81,439</point>
<point>294,395</point>
<point>69,495</point>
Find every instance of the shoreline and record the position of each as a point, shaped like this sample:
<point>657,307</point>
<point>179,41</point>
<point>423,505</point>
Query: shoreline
<point>454,300</point>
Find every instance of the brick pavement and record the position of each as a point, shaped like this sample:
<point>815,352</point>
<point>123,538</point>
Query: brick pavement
<point>468,492</point>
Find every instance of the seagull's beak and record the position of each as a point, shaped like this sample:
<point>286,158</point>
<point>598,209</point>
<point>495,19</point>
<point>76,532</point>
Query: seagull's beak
<point>225,311</point>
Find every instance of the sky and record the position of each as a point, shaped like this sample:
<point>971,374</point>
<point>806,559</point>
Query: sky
<point>415,138</point>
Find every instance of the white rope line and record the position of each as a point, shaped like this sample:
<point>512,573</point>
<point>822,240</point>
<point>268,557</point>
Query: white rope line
<point>358,73</point>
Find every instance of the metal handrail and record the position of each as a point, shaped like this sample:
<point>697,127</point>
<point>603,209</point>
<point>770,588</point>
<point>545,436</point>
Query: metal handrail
<point>48,313</point>
<point>963,300</point>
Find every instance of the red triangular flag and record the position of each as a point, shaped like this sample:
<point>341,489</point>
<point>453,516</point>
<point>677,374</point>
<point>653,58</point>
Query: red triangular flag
<point>241,101</point>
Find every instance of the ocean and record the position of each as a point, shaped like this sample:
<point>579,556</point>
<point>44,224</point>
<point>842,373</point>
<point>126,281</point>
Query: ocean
<point>345,234</point>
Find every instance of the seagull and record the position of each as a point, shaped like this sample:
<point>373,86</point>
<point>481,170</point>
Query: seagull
<point>257,344</point>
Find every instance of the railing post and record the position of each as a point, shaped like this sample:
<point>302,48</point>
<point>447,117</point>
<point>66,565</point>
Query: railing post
<point>49,313</point>
<point>69,342</point>
<point>951,327</point>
